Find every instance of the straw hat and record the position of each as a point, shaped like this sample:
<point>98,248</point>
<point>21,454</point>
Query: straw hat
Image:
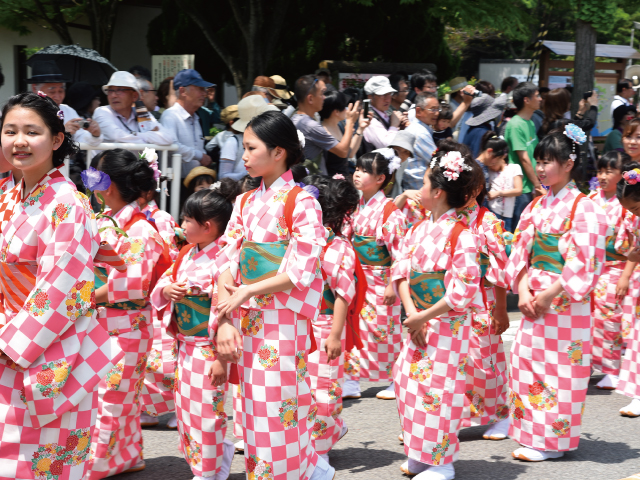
<point>458,83</point>
<point>229,113</point>
<point>250,107</point>
<point>196,172</point>
<point>282,89</point>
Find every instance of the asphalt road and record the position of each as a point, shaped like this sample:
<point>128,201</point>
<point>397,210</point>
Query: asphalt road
<point>609,448</point>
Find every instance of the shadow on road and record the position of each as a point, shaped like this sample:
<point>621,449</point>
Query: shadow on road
<point>499,468</point>
<point>356,460</point>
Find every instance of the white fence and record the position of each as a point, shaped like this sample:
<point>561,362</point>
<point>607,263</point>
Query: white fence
<point>173,172</point>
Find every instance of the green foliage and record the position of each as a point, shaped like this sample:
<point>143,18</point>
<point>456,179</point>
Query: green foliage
<point>600,14</point>
<point>30,51</point>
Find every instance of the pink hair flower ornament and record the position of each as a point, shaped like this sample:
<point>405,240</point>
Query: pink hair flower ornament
<point>632,176</point>
<point>452,163</point>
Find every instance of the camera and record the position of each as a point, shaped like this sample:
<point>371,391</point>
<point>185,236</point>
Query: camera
<point>475,94</point>
<point>83,123</point>
<point>588,94</point>
<point>366,104</point>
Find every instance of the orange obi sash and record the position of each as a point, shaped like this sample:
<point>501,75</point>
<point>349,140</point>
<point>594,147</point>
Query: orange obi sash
<point>17,280</point>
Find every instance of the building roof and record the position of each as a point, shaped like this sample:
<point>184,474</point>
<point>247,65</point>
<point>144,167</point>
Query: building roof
<point>602,50</point>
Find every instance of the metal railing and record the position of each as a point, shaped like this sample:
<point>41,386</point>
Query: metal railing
<point>173,172</point>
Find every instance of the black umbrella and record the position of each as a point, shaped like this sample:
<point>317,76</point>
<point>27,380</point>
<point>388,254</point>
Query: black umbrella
<point>76,63</point>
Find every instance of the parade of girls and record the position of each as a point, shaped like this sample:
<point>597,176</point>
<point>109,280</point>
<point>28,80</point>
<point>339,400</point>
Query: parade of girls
<point>285,290</point>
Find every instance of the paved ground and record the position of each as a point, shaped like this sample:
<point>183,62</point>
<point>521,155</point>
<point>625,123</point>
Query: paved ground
<point>609,448</point>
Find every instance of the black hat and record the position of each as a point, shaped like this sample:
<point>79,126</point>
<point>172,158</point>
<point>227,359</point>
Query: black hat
<point>46,71</point>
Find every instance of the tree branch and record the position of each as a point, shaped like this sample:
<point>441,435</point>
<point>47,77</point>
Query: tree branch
<point>242,23</point>
<point>274,28</point>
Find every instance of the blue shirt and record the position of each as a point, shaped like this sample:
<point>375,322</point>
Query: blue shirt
<point>423,149</point>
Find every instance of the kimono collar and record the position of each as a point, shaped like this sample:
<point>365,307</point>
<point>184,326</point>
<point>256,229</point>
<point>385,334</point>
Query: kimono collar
<point>38,189</point>
<point>285,180</point>
<point>209,250</point>
<point>126,212</point>
<point>378,197</point>
<point>613,199</point>
<point>450,216</point>
<point>468,214</point>
<point>571,186</point>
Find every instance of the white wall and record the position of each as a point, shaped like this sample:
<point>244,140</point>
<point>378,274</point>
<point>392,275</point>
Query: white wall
<point>496,72</point>
<point>129,44</point>
<point>39,37</point>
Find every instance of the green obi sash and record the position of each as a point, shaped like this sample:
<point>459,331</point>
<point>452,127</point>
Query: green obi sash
<point>545,254</point>
<point>612,255</point>
<point>101,279</point>
<point>192,315</point>
<point>328,301</point>
<point>426,288</point>
<point>484,266</point>
<point>370,253</point>
<point>259,261</point>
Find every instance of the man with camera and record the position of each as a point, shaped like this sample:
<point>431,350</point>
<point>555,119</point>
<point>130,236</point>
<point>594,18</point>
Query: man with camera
<point>47,78</point>
<point>383,127</point>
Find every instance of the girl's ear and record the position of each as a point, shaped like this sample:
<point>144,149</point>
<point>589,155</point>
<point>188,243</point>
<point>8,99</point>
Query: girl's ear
<point>207,227</point>
<point>57,140</point>
<point>568,166</point>
<point>380,179</point>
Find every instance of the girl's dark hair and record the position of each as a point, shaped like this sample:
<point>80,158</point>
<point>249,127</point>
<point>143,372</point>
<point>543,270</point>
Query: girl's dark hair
<point>275,129</point>
<point>333,100</point>
<point>249,183</point>
<point>491,140</point>
<point>461,190</point>
<point>620,112</point>
<point>163,92</point>
<point>213,205</point>
<point>613,159</point>
<point>47,109</point>
<point>338,200</point>
<point>480,182</point>
<point>445,113</point>
<point>299,172</point>
<point>624,190</point>
<point>132,175</point>
<point>557,146</point>
<point>375,164</point>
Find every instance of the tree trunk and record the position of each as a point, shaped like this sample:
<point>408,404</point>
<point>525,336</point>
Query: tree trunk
<point>584,69</point>
<point>102,18</point>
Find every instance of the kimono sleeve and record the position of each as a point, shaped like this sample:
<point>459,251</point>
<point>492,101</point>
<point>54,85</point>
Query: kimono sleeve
<point>306,242</point>
<point>65,266</point>
<point>341,259</point>
<point>624,236</point>
<point>521,247</point>
<point>393,231</point>
<point>230,244</point>
<point>140,251</point>
<point>492,232</point>
<point>586,243</point>
<point>402,262</point>
<point>463,278</point>
<point>157,297</point>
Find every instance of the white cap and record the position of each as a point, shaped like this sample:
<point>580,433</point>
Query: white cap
<point>378,86</point>
<point>121,79</point>
<point>250,107</point>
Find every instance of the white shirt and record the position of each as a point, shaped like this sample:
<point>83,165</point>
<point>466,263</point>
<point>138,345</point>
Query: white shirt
<point>117,129</point>
<point>187,131</point>
<point>376,134</point>
<point>82,135</point>
<point>501,181</point>
<point>617,101</point>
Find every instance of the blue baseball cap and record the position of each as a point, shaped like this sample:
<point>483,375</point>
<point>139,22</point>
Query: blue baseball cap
<point>187,77</point>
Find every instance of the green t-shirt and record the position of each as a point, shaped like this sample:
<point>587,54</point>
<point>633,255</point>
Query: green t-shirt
<point>520,134</point>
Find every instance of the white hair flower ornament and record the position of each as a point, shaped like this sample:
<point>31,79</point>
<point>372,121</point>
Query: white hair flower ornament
<point>215,186</point>
<point>150,155</point>
<point>452,163</point>
<point>301,138</point>
<point>390,154</point>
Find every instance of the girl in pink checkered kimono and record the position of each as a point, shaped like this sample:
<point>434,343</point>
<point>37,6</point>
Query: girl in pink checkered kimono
<point>437,277</point>
<point>610,294</point>
<point>378,229</point>
<point>269,273</point>
<point>188,292</point>
<point>124,296</point>
<point>338,199</point>
<point>409,204</point>
<point>628,193</point>
<point>157,391</point>
<point>53,351</point>
<point>557,257</point>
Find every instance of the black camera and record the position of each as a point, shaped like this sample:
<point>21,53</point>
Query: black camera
<point>587,95</point>
<point>475,94</point>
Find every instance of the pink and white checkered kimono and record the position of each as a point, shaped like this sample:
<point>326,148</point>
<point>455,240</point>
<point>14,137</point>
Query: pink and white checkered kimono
<point>327,378</point>
<point>202,422</point>
<point>117,441</point>
<point>486,394</point>
<point>414,212</point>
<point>551,356</point>
<point>380,328</point>
<point>607,316</point>
<point>275,387</point>
<point>430,382</point>
<point>157,391</point>
<point>55,351</point>
<point>629,383</point>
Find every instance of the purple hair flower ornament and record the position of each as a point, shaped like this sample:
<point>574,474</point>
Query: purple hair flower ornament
<point>594,184</point>
<point>632,176</point>
<point>96,181</point>
<point>310,189</point>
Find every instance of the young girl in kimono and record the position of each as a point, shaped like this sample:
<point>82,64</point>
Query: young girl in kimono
<point>610,294</point>
<point>378,229</point>
<point>157,392</point>
<point>437,277</point>
<point>124,298</point>
<point>53,351</point>
<point>558,254</point>
<point>187,292</point>
<point>269,273</point>
<point>338,199</point>
<point>628,193</point>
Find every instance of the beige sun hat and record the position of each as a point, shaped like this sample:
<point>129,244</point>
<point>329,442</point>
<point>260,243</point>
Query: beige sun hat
<point>282,89</point>
<point>250,107</point>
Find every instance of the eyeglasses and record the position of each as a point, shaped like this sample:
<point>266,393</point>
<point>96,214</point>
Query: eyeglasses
<point>153,91</point>
<point>404,90</point>
<point>433,110</point>
<point>119,91</point>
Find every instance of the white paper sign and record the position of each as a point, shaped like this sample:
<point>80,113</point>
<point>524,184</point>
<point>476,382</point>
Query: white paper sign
<point>164,66</point>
